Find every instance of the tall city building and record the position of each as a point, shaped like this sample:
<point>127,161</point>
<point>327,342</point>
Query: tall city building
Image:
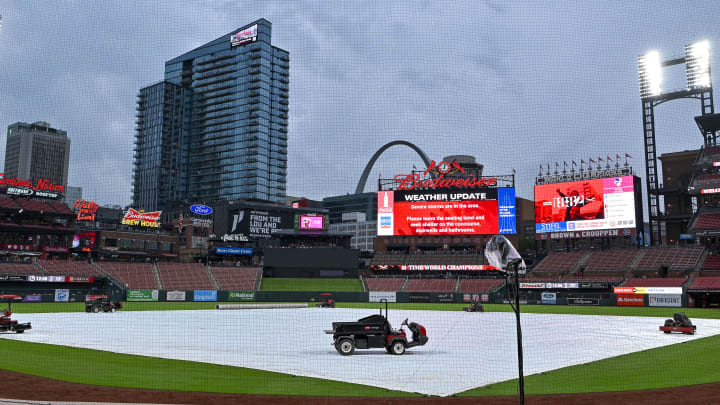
<point>37,151</point>
<point>72,194</point>
<point>216,127</point>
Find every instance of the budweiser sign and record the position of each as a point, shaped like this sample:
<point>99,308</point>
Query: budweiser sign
<point>86,210</point>
<point>41,185</point>
<point>421,181</point>
<point>147,219</point>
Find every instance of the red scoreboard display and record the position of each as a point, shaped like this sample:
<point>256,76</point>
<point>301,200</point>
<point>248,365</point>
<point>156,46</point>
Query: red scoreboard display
<point>459,211</point>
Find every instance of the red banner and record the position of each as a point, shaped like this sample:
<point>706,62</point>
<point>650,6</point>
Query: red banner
<point>630,300</point>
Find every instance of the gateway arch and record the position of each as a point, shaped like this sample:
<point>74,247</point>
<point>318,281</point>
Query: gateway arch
<point>363,178</point>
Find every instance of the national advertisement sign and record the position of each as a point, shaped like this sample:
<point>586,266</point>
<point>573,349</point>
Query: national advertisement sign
<point>175,296</point>
<point>446,297</point>
<point>630,300</point>
<point>583,301</point>
<point>669,300</point>
<point>419,297</point>
<point>62,295</point>
<point>201,209</point>
<point>378,296</point>
<point>143,219</point>
<point>532,285</point>
<point>142,295</point>
<point>548,298</point>
<point>32,298</point>
<point>204,295</point>
<point>647,290</point>
<point>241,296</point>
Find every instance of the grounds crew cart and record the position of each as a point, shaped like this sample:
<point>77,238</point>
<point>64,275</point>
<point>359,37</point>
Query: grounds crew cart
<point>374,331</point>
<point>8,324</point>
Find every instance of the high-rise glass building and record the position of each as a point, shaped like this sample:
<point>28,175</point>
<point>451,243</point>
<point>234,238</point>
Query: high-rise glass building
<point>216,127</point>
<point>37,151</point>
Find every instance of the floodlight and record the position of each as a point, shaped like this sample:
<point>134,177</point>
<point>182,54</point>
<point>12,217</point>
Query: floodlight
<point>697,64</point>
<point>650,70</point>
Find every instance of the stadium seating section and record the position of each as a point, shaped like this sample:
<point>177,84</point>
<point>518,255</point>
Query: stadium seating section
<point>184,276</point>
<point>609,260</point>
<point>389,258</point>
<point>710,266</point>
<point>608,277</point>
<point>430,285</point>
<point>558,262</point>
<point>656,282</point>
<point>707,221</point>
<point>705,284</point>
<point>384,284</point>
<point>138,276</point>
<point>676,259</point>
<point>16,268</point>
<point>236,278</point>
<point>69,268</point>
<point>480,286</point>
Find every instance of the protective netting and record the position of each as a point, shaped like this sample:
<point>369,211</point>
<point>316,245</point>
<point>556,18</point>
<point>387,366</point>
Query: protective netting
<point>525,88</point>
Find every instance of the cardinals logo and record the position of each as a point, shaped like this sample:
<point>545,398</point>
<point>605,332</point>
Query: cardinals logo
<point>444,168</point>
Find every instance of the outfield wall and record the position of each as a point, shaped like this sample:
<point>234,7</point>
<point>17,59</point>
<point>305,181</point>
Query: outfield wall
<point>72,292</point>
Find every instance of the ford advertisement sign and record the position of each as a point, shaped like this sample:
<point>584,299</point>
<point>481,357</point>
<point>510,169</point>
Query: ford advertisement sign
<point>201,209</point>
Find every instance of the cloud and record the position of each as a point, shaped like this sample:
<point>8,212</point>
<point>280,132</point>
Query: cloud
<point>513,84</point>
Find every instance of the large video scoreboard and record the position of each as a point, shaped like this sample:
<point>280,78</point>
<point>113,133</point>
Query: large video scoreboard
<point>452,211</point>
<point>588,208</point>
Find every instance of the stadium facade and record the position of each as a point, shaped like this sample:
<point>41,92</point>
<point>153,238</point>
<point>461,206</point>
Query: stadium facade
<point>216,127</point>
<point>37,151</point>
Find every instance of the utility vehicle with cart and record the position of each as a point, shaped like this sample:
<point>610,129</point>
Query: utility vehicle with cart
<point>679,323</point>
<point>375,331</point>
<point>7,324</point>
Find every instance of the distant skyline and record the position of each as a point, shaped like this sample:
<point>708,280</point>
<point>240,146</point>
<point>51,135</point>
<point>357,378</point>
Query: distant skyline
<point>515,84</point>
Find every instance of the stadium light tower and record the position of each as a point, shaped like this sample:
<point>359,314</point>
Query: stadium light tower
<point>699,86</point>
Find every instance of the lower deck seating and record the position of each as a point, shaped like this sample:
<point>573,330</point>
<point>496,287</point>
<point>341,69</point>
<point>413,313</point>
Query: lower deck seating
<point>184,276</point>
<point>236,278</point>
<point>138,276</point>
<point>69,268</point>
<point>480,286</point>
<point>430,285</point>
<point>384,283</point>
<point>20,269</point>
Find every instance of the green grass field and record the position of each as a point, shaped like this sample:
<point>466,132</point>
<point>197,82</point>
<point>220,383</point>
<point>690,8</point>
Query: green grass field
<point>310,284</point>
<point>688,363</point>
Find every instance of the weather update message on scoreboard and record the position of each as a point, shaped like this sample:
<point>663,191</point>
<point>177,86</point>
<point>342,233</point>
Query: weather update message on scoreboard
<point>596,204</point>
<point>458,211</point>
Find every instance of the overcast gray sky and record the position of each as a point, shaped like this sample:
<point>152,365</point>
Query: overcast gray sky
<point>514,84</point>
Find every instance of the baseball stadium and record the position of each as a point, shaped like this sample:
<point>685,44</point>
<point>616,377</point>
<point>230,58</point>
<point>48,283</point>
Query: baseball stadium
<point>421,256</point>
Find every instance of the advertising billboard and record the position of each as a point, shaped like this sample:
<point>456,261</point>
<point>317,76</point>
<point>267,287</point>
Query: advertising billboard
<point>311,222</point>
<point>586,205</point>
<point>43,188</point>
<point>142,219</point>
<point>460,211</point>
<point>247,35</point>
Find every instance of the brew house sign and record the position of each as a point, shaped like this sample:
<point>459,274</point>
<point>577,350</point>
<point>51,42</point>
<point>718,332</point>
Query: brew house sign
<point>42,188</point>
